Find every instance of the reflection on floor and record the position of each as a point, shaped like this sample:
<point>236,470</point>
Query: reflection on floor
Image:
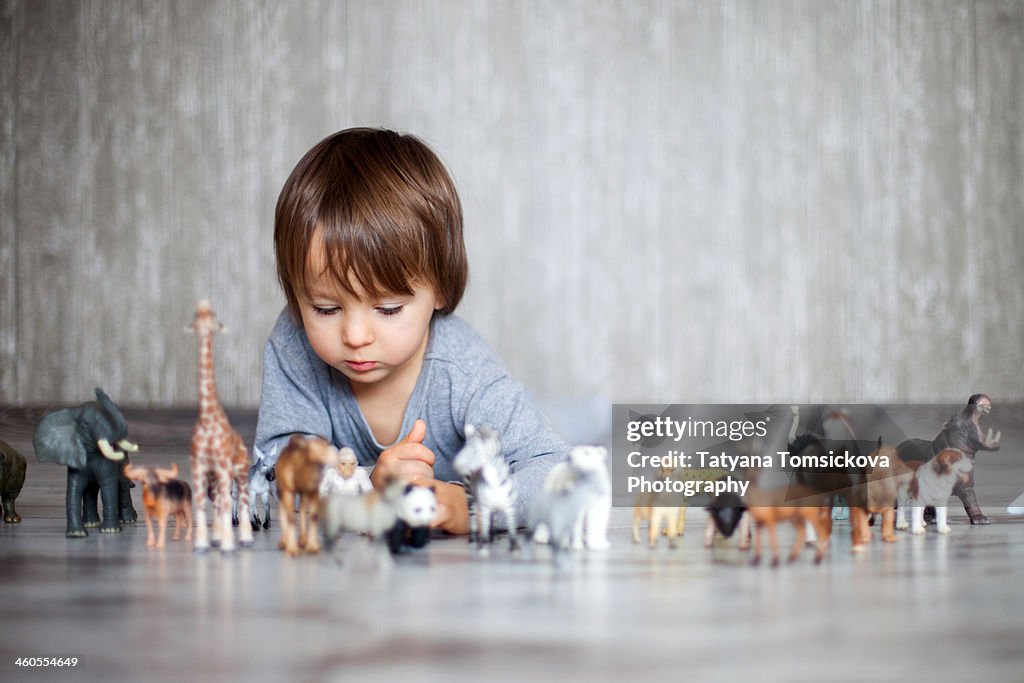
<point>926,608</point>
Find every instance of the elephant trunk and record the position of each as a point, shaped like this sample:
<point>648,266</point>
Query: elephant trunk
<point>120,426</point>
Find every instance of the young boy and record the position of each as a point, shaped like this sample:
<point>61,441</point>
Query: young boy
<point>368,353</point>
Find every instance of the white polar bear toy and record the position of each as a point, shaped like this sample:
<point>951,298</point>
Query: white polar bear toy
<point>586,470</point>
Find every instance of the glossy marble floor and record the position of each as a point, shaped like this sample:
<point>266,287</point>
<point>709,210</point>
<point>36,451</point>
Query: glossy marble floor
<point>927,608</point>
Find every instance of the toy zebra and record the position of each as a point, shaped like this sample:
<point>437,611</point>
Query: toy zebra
<point>261,475</point>
<point>488,483</point>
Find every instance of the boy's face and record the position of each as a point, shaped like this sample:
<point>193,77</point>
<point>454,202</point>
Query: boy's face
<point>374,343</point>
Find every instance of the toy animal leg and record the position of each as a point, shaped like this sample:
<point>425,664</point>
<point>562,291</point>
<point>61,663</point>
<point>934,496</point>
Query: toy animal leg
<point>73,505</point>
<point>483,530</point>
<point>200,495</point>
<point>801,531</point>
<point>823,522</point>
<point>863,530</point>
<point>244,500</point>
<point>288,541</point>
<point>888,525</point>
<point>812,537</point>
<point>162,519</point>
<point>917,520</point>
<point>10,515</point>
<point>773,542</point>
<point>108,493</point>
<point>709,532</point>
<point>126,513</point>
<point>150,536</point>
<point>744,531</point>
<point>474,515</point>
<point>639,514</point>
<point>576,535</point>
<point>966,494</point>
<point>756,559</point>
<point>596,522</point>
<point>312,515</point>
<point>185,515</point>
<point>902,503</point>
<point>510,522</point>
<point>90,505</point>
<point>680,521</point>
<point>224,505</point>
<point>654,528</point>
<point>860,535</point>
<point>941,524</point>
<point>674,526</point>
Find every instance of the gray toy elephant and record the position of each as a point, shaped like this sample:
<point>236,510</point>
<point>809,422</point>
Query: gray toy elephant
<point>83,438</point>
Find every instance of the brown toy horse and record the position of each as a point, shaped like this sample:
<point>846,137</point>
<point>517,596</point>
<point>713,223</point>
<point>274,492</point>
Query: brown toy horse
<point>299,469</point>
<point>163,495</point>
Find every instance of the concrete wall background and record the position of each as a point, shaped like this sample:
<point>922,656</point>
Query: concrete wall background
<point>665,201</point>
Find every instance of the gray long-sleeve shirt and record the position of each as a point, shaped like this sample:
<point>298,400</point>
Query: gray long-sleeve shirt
<point>461,382</point>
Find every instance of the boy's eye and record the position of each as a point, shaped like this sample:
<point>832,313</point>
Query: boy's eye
<point>325,310</point>
<point>390,310</point>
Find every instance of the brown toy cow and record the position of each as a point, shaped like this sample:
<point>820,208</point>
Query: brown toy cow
<point>299,468</point>
<point>163,495</point>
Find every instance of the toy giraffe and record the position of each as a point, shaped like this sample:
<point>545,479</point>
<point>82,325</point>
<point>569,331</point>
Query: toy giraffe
<point>219,455</point>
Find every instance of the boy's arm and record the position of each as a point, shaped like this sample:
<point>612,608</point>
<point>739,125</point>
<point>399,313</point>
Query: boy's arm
<point>529,443</point>
<point>289,400</point>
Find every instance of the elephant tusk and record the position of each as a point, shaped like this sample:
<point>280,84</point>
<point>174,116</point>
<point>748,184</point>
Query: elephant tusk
<point>127,445</point>
<point>108,451</point>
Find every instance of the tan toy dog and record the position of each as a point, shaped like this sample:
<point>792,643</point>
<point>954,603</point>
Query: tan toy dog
<point>163,495</point>
<point>657,510</point>
<point>797,504</point>
<point>884,487</point>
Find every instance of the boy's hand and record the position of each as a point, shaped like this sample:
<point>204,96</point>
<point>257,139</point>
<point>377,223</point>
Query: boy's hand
<point>408,459</point>
<point>452,506</point>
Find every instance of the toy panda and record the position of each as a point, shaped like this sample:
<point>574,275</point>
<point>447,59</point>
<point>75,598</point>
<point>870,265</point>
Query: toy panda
<point>416,509</point>
<point>400,515</point>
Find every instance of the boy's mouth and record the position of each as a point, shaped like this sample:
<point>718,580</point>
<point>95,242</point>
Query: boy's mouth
<point>361,366</point>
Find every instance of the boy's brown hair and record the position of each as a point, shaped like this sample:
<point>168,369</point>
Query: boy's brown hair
<point>387,213</point>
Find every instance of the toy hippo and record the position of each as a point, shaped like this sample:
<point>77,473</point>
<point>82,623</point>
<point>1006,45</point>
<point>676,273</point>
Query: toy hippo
<point>963,433</point>
<point>12,478</point>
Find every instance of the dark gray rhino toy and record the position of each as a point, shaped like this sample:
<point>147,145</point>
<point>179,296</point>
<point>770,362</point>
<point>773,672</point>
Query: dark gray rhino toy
<point>84,438</point>
<point>12,478</point>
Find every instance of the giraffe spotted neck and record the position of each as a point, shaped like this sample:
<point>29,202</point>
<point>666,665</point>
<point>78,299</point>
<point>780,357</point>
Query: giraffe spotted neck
<point>209,403</point>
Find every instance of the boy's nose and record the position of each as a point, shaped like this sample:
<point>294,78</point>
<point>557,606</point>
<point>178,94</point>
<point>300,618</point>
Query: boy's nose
<point>356,331</point>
